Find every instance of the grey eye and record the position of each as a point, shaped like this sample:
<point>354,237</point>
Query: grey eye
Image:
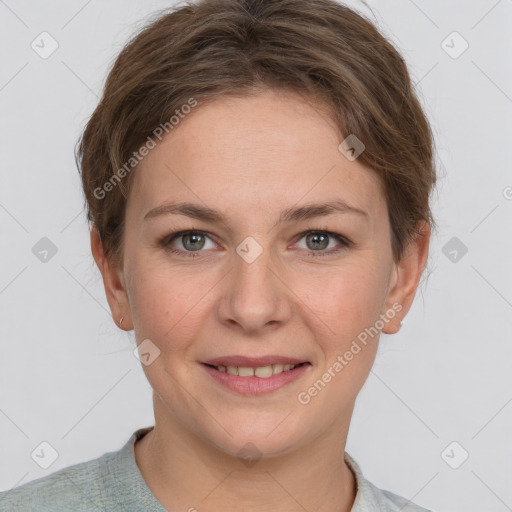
<point>317,241</point>
<point>193,242</point>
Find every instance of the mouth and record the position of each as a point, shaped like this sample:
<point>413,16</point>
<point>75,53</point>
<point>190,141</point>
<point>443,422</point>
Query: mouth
<point>263,372</point>
<point>255,376</point>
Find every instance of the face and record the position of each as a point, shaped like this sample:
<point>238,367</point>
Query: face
<point>260,281</point>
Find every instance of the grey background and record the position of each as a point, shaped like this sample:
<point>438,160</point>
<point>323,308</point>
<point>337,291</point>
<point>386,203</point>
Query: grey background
<point>68,375</point>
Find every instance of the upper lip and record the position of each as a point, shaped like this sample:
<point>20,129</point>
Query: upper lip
<point>253,361</point>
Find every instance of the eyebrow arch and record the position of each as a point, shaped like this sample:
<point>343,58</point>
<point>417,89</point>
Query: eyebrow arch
<point>306,211</point>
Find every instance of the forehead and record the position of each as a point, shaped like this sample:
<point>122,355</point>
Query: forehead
<point>274,148</point>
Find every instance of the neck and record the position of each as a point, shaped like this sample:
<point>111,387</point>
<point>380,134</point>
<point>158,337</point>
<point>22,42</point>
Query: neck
<point>185,472</point>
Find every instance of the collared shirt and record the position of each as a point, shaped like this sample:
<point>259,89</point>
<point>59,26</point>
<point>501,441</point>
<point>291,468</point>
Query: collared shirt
<point>114,483</point>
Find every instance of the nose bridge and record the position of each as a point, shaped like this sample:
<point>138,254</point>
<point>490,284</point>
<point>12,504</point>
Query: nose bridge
<point>255,295</point>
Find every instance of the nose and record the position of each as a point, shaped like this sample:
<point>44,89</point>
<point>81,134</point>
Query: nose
<point>254,295</point>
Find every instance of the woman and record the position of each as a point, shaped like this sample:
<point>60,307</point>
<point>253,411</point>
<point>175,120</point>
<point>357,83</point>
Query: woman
<point>257,178</point>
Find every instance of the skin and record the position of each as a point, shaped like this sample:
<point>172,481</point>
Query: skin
<point>250,158</point>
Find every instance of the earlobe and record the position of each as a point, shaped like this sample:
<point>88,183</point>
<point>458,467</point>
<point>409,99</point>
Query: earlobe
<point>113,283</point>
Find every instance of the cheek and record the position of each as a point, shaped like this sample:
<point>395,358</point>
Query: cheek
<point>342,301</point>
<point>167,304</point>
<point>340,307</point>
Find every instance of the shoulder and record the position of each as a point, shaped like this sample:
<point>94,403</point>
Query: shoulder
<point>391,502</point>
<point>79,488</point>
<point>370,498</point>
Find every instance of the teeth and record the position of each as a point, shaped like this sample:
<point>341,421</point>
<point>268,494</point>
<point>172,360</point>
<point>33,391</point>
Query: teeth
<point>261,371</point>
<point>243,371</point>
<point>278,368</point>
<point>264,371</point>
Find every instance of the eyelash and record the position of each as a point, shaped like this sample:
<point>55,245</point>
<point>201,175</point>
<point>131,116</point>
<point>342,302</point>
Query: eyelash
<point>345,243</point>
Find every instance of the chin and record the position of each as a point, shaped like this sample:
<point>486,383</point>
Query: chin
<point>257,439</point>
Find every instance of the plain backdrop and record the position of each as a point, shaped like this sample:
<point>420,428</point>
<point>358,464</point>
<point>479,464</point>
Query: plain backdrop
<point>440,389</point>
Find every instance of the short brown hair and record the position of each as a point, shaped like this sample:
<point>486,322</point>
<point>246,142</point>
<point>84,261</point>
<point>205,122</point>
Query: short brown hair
<point>211,48</point>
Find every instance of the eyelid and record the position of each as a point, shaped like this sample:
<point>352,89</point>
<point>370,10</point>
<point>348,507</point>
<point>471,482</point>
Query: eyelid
<point>343,243</point>
<point>325,231</point>
<point>166,241</point>
<point>342,240</point>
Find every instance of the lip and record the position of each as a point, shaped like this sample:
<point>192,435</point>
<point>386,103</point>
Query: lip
<point>253,362</point>
<point>256,385</point>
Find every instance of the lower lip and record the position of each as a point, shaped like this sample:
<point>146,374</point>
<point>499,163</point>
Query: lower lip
<point>256,385</point>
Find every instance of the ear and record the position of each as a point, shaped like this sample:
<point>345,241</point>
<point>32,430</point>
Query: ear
<point>113,282</point>
<point>406,277</point>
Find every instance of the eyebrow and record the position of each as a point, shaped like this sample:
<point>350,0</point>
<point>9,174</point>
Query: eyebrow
<point>307,211</point>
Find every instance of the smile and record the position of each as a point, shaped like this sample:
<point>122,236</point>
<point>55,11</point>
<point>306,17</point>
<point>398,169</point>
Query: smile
<point>256,380</point>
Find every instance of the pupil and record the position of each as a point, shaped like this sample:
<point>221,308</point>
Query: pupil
<point>192,247</point>
<point>316,236</point>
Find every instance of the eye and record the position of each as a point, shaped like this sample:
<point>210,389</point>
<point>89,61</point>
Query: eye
<point>317,241</point>
<point>191,241</point>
